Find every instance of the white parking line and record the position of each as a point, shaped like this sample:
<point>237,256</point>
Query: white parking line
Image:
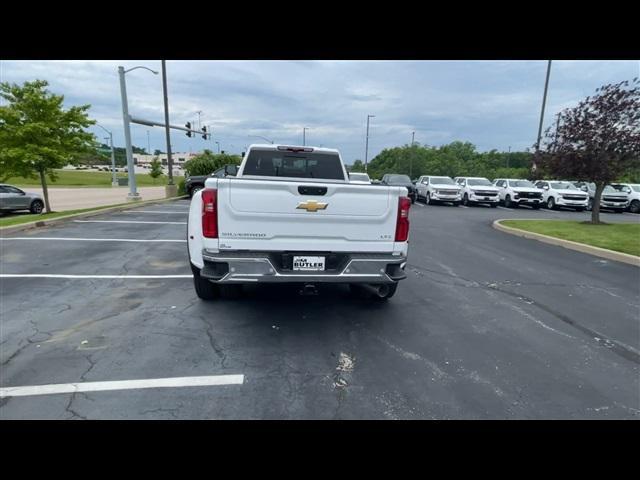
<point>504,208</point>
<point>203,381</point>
<point>156,211</point>
<point>93,239</point>
<point>462,206</point>
<point>116,277</point>
<point>128,221</point>
<point>419,204</point>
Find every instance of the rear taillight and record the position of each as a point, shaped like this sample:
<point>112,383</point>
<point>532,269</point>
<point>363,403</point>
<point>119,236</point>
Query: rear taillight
<point>402,223</point>
<point>210,213</point>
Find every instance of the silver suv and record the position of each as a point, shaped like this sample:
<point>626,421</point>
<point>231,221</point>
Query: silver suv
<point>12,198</point>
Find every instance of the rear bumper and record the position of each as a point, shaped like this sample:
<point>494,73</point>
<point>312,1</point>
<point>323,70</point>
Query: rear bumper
<point>262,267</point>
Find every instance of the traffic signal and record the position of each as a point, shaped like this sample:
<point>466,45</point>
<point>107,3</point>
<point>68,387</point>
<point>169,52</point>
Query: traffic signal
<point>204,133</point>
<point>188,125</point>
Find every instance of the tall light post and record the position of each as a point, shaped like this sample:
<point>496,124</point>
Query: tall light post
<point>218,143</point>
<point>133,194</point>
<point>199,112</point>
<point>304,130</point>
<point>508,156</point>
<point>170,190</point>
<point>148,143</point>
<point>544,101</point>
<point>366,148</point>
<point>114,181</point>
<point>413,137</point>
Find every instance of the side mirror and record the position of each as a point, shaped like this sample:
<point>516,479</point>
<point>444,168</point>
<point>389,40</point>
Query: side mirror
<point>231,170</point>
<point>546,187</point>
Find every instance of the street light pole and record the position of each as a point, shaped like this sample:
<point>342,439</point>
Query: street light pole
<point>508,156</point>
<point>218,143</point>
<point>114,181</point>
<point>133,194</point>
<point>166,124</point>
<point>304,129</point>
<point>413,136</point>
<point>544,101</point>
<point>366,148</point>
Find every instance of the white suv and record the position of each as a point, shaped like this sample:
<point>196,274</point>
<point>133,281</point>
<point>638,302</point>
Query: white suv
<point>514,192</point>
<point>438,189</point>
<point>633,190</point>
<point>562,194</point>
<point>477,190</point>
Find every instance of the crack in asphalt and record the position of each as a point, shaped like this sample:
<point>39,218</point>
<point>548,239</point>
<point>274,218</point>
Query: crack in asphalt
<point>214,345</point>
<point>625,351</point>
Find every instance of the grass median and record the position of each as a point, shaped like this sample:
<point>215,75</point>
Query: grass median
<point>20,218</point>
<point>620,237</point>
<point>79,178</point>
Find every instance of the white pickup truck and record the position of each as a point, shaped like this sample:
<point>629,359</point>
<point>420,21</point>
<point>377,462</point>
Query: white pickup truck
<point>290,215</point>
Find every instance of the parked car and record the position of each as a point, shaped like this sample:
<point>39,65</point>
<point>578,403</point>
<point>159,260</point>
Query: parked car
<point>397,180</point>
<point>434,189</point>
<point>13,199</point>
<point>477,190</point>
<point>514,192</point>
<point>633,191</point>
<point>558,193</point>
<point>292,216</point>
<point>194,183</point>
<point>362,178</point>
<point>612,199</point>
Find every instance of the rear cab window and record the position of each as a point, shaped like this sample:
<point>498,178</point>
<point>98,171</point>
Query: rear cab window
<point>294,164</point>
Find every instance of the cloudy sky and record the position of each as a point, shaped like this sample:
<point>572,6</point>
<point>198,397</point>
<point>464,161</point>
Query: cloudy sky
<point>493,104</point>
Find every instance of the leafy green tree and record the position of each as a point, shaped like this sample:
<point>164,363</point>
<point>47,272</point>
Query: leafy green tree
<point>37,135</point>
<point>358,166</point>
<point>156,169</point>
<point>598,140</point>
<point>208,162</point>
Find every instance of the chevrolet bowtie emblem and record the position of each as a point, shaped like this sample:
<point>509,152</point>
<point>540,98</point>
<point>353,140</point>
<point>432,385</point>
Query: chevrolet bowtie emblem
<point>312,206</point>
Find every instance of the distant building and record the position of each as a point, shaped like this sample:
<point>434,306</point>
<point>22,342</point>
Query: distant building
<point>179,159</point>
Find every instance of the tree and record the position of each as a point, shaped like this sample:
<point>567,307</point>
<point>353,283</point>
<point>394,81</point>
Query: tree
<point>37,135</point>
<point>598,140</point>
<point>357,166</point>
<point>156,169</point>
<point>208,162</point>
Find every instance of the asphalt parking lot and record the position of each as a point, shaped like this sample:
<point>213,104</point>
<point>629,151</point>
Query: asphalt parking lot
<point>487,326</point>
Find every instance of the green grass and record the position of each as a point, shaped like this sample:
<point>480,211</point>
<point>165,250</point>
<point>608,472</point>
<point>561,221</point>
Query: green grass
<point>621,237</point>
<point>19,218</point>
<point>79,178</point>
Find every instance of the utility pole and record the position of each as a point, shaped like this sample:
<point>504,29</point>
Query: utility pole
<point>544,101</point>
<point>366,148</point>
<point>413,136</point>
<point>133,194</point>
<point>114,181</point>
<point>170,188</point>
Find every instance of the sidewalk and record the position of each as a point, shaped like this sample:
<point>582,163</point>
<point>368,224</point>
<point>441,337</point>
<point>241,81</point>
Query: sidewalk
<point>62,199</point>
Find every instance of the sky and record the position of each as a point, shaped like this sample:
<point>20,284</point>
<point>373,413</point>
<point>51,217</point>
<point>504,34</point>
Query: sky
<point>492,104</point>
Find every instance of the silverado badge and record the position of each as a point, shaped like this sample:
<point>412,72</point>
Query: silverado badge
<point>312,206</point>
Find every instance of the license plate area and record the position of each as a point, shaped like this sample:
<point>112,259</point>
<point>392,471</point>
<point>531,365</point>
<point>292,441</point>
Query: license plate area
<point>308,263</point>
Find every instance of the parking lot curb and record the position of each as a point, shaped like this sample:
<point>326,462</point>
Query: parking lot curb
<point>580,247</point>
<point>106,209</point>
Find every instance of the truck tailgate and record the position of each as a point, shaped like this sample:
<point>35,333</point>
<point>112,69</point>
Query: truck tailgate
<point>271,215</point>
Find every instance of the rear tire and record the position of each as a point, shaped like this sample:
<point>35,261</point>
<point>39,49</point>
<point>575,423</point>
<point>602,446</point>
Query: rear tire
<point>465,200</point>
<point>508,203</point>
<point>204,288</point>
<point>194,190</point>
<point>590,205</point>
<point>36,207</point>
